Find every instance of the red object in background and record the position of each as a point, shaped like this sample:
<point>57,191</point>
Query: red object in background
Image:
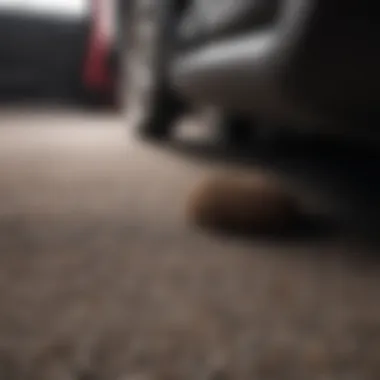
<point>97,75</point>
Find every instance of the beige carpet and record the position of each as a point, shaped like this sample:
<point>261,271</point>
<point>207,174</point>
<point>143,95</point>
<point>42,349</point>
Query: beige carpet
<point>101,279</point>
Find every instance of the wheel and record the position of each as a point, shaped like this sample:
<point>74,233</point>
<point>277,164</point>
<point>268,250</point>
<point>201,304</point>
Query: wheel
<point>152,106</point>
<point>236,130</point>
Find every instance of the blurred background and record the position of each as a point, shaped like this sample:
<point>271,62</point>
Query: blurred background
<point>62,51</point>
<point>104,132</point>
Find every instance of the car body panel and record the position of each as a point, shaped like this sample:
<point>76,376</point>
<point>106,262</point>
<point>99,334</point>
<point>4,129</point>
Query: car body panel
<point>210,18</point>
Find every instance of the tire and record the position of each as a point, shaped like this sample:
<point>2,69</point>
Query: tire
<point>152,106</point>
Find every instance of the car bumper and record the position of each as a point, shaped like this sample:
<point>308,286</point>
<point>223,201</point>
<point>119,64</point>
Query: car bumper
<point>307,68</point>
<point>240,74</point>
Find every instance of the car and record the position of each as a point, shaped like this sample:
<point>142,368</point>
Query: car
<point>303,64</point>
<point>56,50</point>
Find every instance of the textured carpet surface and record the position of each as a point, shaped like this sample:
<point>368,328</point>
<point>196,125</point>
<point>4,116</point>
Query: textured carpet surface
<point>100,278</point>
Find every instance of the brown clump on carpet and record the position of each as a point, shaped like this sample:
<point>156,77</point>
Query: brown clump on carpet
<point>250,203</point>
